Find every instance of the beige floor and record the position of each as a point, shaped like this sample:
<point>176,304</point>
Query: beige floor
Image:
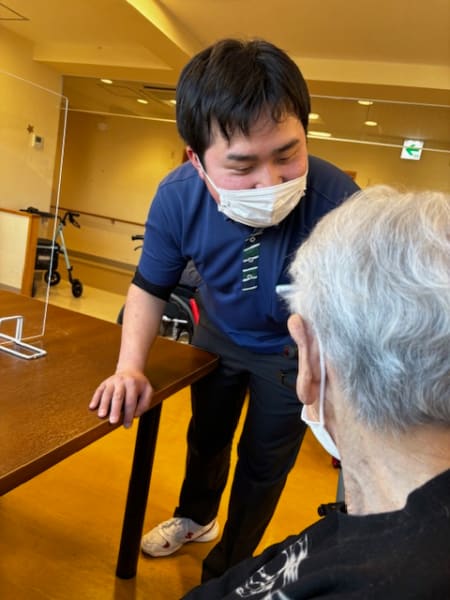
<point>59,533</point>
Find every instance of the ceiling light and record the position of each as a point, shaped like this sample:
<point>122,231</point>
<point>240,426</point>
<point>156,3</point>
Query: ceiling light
<point>314,116</point>
<point>142,101</point>
<point>319,134</point>
<point>371,123</point>
<point>108,81</point>
<point>365,102</point>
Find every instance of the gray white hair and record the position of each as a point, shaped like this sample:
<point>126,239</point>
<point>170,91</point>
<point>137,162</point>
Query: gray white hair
<point>373,282</point>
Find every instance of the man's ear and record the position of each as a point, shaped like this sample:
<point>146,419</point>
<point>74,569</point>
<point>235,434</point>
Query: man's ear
<point>193,158</point>
<point>308,380</point>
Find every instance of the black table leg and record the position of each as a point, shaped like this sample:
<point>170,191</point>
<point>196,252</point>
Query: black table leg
<point>138,488</point>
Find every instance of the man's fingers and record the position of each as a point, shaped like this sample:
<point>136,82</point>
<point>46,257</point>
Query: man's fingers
<point>144,401</point>
<point>122,396</point>
<point>118,398</point>
<point>95,401</point>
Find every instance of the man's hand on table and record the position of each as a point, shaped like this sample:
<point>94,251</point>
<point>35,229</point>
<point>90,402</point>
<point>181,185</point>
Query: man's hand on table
<point>129,392</point>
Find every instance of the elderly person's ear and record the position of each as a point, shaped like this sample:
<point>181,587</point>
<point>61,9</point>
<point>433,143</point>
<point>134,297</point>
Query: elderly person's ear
<point>308,378</point>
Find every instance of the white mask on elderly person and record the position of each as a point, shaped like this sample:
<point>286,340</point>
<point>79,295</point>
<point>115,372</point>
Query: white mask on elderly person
<point>260,207</point>
<point>318,427</point>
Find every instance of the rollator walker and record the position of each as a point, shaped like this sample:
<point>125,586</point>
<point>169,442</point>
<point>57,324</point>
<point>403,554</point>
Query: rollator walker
<point>48,251</point>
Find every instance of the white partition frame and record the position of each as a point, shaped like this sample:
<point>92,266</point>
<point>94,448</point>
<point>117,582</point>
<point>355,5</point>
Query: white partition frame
<point>32,137</point>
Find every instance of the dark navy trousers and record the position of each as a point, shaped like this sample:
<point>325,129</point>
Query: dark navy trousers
<point>269,444</point>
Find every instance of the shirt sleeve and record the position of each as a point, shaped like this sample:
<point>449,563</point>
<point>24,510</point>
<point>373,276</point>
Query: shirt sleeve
<point>162,292</point>
<point>162,260</point>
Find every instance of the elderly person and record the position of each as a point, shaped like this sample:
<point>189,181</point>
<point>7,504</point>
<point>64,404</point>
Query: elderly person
<point>371,318</point>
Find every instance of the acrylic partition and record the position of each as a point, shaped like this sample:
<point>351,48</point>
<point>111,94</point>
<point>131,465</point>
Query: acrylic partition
<point>32,134</point>
<point>383,122</point>
<point>405,144</point>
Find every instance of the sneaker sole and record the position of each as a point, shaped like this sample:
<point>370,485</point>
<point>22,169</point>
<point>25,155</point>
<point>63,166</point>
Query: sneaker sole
<point>208,536</point>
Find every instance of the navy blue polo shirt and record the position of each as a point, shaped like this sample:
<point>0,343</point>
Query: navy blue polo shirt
<point>240,266</point>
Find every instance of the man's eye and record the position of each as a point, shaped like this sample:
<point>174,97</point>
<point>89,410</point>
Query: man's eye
<point>242,170</point>
<point>286,159</point>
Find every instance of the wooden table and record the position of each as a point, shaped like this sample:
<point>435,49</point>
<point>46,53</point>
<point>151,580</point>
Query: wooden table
<point>43,403</point>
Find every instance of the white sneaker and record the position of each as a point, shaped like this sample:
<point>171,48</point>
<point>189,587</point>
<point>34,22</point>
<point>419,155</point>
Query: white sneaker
<point>167,537</point>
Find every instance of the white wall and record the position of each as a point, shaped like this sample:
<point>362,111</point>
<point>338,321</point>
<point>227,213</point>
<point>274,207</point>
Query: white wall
<point>26,173</point>
<point>112,167</point>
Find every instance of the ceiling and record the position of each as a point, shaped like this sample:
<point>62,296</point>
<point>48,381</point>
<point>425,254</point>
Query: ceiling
<point>388,50</point>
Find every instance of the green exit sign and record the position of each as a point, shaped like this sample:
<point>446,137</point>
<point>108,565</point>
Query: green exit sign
<point>412,149</point>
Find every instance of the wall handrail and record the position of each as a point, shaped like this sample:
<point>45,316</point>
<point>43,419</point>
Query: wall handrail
<point>113,220</point>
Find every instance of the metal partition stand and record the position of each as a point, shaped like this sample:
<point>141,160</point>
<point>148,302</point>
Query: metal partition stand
<point>17,346</point>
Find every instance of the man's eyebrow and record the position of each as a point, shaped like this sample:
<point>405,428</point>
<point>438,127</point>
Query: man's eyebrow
<point>287,146</point>
<point>234,156</point>
<point>241,157</point>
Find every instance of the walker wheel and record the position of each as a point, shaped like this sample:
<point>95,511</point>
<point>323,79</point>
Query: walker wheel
<point>54,278</point>
<point>77,288</point>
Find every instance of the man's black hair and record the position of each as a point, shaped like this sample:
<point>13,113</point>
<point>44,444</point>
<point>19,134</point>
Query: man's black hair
<point>232,83</point>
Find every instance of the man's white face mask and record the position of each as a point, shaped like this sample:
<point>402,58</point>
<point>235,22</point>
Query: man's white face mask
<point>260,207</point>
<point>318,427</point>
